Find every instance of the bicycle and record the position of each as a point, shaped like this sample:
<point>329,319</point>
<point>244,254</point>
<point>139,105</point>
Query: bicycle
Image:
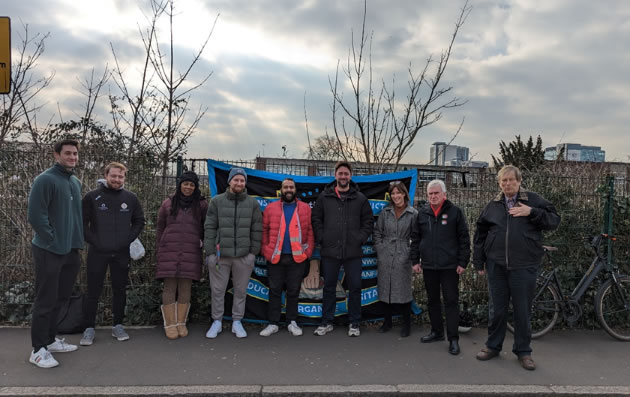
<point>612,301</point>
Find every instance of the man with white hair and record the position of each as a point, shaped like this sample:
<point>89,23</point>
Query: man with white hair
<point>441,252</point>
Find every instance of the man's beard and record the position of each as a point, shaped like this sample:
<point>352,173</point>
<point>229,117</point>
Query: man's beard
<point>285,197</point>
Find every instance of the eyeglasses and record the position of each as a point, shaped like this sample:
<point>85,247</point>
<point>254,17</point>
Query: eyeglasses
<point>392,183</point>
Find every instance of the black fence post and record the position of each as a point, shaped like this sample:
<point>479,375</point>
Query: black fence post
<point>180,166</point>
<point>608,218</point>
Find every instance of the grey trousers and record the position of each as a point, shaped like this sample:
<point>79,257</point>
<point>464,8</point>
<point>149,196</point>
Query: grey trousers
<point>241,268</point>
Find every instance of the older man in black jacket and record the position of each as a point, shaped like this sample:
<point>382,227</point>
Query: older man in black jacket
<point>443,247</point>
<point>342,221</point>
<point>508,241</point>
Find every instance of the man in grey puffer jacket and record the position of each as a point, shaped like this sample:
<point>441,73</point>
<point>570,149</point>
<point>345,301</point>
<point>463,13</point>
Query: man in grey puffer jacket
<point>233,236</point>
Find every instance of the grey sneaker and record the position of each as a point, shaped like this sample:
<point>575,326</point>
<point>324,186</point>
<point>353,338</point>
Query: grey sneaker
<point>323,329</point>
<point>354,330</point>
<point>119,333</point>
<point>88,337</point>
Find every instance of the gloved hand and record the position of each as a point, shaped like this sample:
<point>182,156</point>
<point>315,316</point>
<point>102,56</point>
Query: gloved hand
<point>251,259</point>
<point>211,260</point>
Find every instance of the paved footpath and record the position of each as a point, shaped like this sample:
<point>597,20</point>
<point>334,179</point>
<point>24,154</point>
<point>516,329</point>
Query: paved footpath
<point>569,363</point>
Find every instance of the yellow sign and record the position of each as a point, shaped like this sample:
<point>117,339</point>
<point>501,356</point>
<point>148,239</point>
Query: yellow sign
<point>5,55</point>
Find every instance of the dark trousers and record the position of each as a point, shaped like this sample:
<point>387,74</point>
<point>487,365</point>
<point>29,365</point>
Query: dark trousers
<point>446,280</point>
<point>284,273</point>
<point>404,309</point>
<point>97,263</point>
<point>54,278</point>
<point>330,270</point>
<point>520,285</point>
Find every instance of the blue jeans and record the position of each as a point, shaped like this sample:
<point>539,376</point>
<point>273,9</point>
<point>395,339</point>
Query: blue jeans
<point>520,286</point>
<point>330,270</point>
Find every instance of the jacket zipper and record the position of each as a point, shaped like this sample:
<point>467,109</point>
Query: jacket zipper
<point>507,239</point>
<point>235,207</point>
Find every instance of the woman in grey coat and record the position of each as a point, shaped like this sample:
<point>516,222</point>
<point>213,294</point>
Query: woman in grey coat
<point>392,239</point>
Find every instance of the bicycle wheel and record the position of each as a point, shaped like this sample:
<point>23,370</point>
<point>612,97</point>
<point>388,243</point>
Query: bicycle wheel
<point>545,310</point>
<point>613,314</point>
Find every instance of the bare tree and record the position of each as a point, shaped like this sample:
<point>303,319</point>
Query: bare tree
<point>370,126</point>
<point>19,108</point>
<point>324,148</point>
<point>133,116</point>
<point>170,132</point>
<point>91,89</point>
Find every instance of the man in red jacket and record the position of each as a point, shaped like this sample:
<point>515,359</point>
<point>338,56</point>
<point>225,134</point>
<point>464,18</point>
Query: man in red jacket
<point>287,244</point>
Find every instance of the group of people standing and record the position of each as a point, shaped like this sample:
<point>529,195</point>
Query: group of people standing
<point>232,230</point>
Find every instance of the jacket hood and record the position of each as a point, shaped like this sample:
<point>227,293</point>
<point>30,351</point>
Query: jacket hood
<point>102,183</point>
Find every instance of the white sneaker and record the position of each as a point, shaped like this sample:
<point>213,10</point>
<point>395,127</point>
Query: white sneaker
<point>60,346</point>
<point>43,359</point>
<point>215,329</point>
<point>294,329</point>
<point>270,329</point>
<point>323,329</point>
<point>238,330</point>
<point>353,330</point>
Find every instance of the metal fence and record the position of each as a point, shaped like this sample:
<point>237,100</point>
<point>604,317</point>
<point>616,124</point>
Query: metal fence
<point>577,193</point>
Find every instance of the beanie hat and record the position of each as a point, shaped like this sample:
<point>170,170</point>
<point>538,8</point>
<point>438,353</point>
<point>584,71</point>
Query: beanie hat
<point>237,171</point>
<point>189,176</point>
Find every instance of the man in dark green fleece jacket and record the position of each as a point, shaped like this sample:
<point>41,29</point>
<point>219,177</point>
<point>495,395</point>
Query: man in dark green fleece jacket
<point>233,236</point>
<point>54,212</point>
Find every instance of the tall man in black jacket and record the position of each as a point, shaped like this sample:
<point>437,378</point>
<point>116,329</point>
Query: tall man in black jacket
<point>441,252</point>
<point>342,221</point>
<point>508,241</point>
<point>112,219</point>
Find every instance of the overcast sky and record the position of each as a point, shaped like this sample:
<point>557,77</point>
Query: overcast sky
<point>555,68</point>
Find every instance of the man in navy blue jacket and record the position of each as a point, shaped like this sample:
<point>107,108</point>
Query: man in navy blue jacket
<point>441,252</point>
<point>112,219</point>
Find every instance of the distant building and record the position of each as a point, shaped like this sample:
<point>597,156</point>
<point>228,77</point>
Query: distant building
<point>576,152</point>
<point>467,163</point>
<point>442,154</point>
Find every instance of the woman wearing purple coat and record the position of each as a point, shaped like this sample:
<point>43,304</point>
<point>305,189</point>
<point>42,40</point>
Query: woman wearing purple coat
<point>179,251</point>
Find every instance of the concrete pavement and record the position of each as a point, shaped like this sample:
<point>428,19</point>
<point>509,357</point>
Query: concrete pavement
<point>569,363</point>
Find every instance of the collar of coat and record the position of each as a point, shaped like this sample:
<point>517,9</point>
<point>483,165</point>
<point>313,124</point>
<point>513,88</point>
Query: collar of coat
<point>521,195</point>
<point>390,208</point>
<point>236,196</point>
<point>428,210</point>
<point>351,193</point>
<point>63,170</point>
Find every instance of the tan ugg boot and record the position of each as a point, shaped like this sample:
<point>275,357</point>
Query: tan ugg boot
<point>169,312</point>
<point>182,318</point>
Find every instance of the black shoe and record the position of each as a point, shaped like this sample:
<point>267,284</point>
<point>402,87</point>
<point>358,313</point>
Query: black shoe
<point>384,328</point>
<point>405,332</point>
<point>432,337</point>
<point>453,347</point>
